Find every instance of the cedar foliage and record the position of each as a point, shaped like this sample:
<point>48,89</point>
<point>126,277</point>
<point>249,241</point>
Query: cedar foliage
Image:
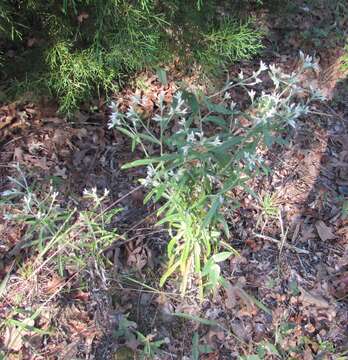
<point>76,49</point>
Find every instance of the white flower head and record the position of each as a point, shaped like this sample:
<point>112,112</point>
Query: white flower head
<point>227,95</point>
<point>144,100</point>
<point>216,141</point>
<point>308,62</point>
<point>241,75</point>
<point>113,106</point>
<point>8,216</point>
<point>132,115</point>
<point>317,93</point>
<point>157,118</point>
<point>252,160</point>
<point>191,137</point>
<point>232,105</point>
<point>150,171</point>
<point>114,120</point>
<point>106,192</point>
<point>185,150</point>
<point>252,94</point>
<point>149,180</point>
<point>136,100</point>
<point>263,66</point>
<point>54,195</point>
<point>182,122</point>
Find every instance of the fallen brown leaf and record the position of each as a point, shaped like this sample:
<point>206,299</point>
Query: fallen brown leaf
<point>54,284</point>
<point>324,231</point>
<point>18,154</point>
<point>313,299</point>
<point>13,338</point>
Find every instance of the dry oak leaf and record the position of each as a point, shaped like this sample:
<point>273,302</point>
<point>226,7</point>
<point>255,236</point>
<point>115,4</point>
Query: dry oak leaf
<point>54,284</point>
<point>324,231</point>
<point>13,338</point>
<point>313,299</point>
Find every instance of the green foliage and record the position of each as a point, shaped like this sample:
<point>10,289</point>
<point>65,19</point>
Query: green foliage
<point>269,206</point>
<point>75,75</point>
<point>81,48</point>
<point>7,26</point>
<point>199,165</point>
<point>229,42</point>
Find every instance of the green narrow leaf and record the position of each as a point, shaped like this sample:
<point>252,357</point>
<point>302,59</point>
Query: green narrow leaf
<point>196,318</point>
<point>214,274</point>
<point>218,108</point>
<point>171,245</point>
<point>221,256</point>
<point>5,280</point>
<point>192,101</point>
<point>162,76</point>
<point>147,161</point>
<point>214,208</point>
<point>185,254</point>
<point>195,346</point>
<point>271,348</point>
<point>215,120</point>
<point>169,272</point>
<point>258,303</point>
<point>149,138</point>
<point>126,132</point>
<point>224,224</point>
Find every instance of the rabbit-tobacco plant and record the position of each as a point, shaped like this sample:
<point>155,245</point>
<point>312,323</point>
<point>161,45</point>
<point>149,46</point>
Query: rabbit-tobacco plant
<point>205,150</point>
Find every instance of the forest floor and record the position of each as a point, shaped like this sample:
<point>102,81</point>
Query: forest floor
<point>288,294</point>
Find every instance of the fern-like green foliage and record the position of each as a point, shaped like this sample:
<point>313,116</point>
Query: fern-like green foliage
<point>83,48</point>
<point>228,42</point>
<point>75,75</point>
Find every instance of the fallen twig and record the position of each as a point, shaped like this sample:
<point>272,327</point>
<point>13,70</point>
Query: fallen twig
<point>285,244</point>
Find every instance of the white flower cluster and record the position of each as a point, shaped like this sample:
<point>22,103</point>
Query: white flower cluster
<point>308,62</point>
<point>92,194</point>
<point>149,180</point>
<point>115,116</point>
<point>178,108</point>
<point>252,160</point>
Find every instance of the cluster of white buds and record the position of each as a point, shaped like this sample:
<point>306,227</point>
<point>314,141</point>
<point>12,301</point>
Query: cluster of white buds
<point>92,194</point>
<point>115,116</point>
<point>148,181</point>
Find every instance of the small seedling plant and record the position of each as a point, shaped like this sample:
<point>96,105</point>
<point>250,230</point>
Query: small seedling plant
<point>62,236</point>
<point>207,147</point>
